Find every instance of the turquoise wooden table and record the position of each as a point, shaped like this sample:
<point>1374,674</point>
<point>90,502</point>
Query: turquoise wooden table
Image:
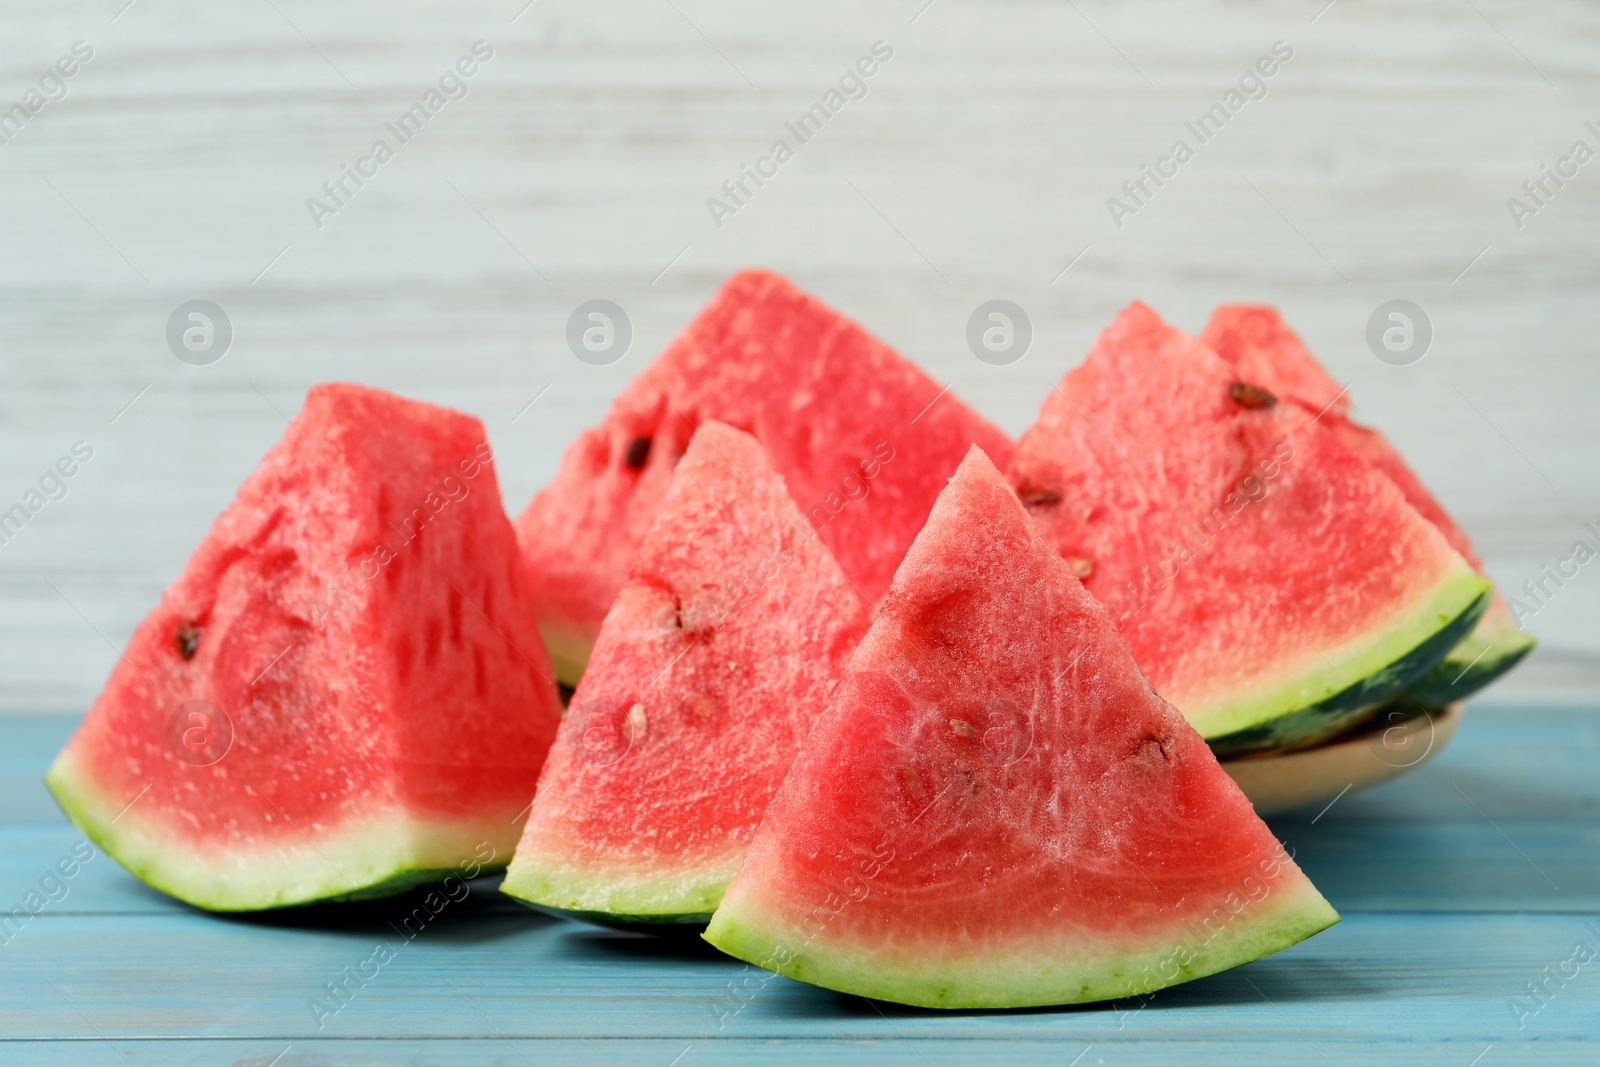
<point>1467,889</point>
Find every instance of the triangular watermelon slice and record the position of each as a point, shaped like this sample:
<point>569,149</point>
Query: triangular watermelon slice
<point>343,694</point>
<point>862,437</point>
<point>1273,585</point>
<point>996,810</point>
<point>1255,340</point>
<point>713,662</point>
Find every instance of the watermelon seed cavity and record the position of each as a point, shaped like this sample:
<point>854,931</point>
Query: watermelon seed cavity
<point>188,638</point>
<point>1251,396</point>
<point>638,452</point>
<point>1153,750</point>
<point>1032,496</point>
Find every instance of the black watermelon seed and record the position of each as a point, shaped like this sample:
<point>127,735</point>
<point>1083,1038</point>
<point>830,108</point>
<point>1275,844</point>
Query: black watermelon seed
<point>188,638</point>
<point>638,452</point>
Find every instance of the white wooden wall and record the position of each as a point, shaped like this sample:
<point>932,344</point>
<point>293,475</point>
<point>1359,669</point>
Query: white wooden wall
<point>979,164</point>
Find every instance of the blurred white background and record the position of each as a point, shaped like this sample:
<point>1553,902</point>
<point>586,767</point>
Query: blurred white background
<point>178,164</point>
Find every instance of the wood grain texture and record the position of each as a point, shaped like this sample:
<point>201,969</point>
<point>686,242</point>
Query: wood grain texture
<point>579,164</point>
<point>1458,884</point>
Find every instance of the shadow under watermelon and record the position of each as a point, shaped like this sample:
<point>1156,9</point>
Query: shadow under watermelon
<point>684,945</point>
<point>482,914</point>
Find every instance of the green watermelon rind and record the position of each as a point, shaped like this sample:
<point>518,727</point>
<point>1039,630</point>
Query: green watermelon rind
<point>1349,709</point>
<point>377,857</point>
<point>1074,975</point>
<point>611,897</point>
<point>1345,683</point>
<point>1494,646</point>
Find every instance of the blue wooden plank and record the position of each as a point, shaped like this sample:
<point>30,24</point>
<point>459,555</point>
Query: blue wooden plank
<point>1473,864</point>
<point>1429,978</point>
<point>30,743</point>
<point>817,1051</point>
<point>807,1052</point>
<point>1445,878</point>
<point>1512,762</point>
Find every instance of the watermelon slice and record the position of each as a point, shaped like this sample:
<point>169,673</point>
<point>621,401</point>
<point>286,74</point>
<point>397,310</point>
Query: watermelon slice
<point>711,666</point>
<point>996,810</point>
<point>863,439</point>
<point>1255,340</point>
<point>343,694</point>
<point>1273,585</point>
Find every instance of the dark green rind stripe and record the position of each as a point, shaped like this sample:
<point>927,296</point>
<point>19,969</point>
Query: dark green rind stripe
<point>1458,677</point>
<point>1327,718</point>
<point>402,881</point>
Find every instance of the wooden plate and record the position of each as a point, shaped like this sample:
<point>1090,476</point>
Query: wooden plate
<point>1386,747</point>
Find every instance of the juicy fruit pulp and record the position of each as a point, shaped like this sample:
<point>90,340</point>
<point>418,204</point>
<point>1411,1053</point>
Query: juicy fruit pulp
<point>712,664</point>
<point>343,693</point>
<point>1273,585</point>
<point>863,439</point>
<point>996,810</point>
<point>1261,348</point>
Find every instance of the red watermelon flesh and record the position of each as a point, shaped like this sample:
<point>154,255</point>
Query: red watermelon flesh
<point>343,694</point>
<point>1273,585</point>
<point>1260,346</point>
<point>711,666</point>
<point>1262,349</point>
<point>996,810</point>
<point>862,438</point>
